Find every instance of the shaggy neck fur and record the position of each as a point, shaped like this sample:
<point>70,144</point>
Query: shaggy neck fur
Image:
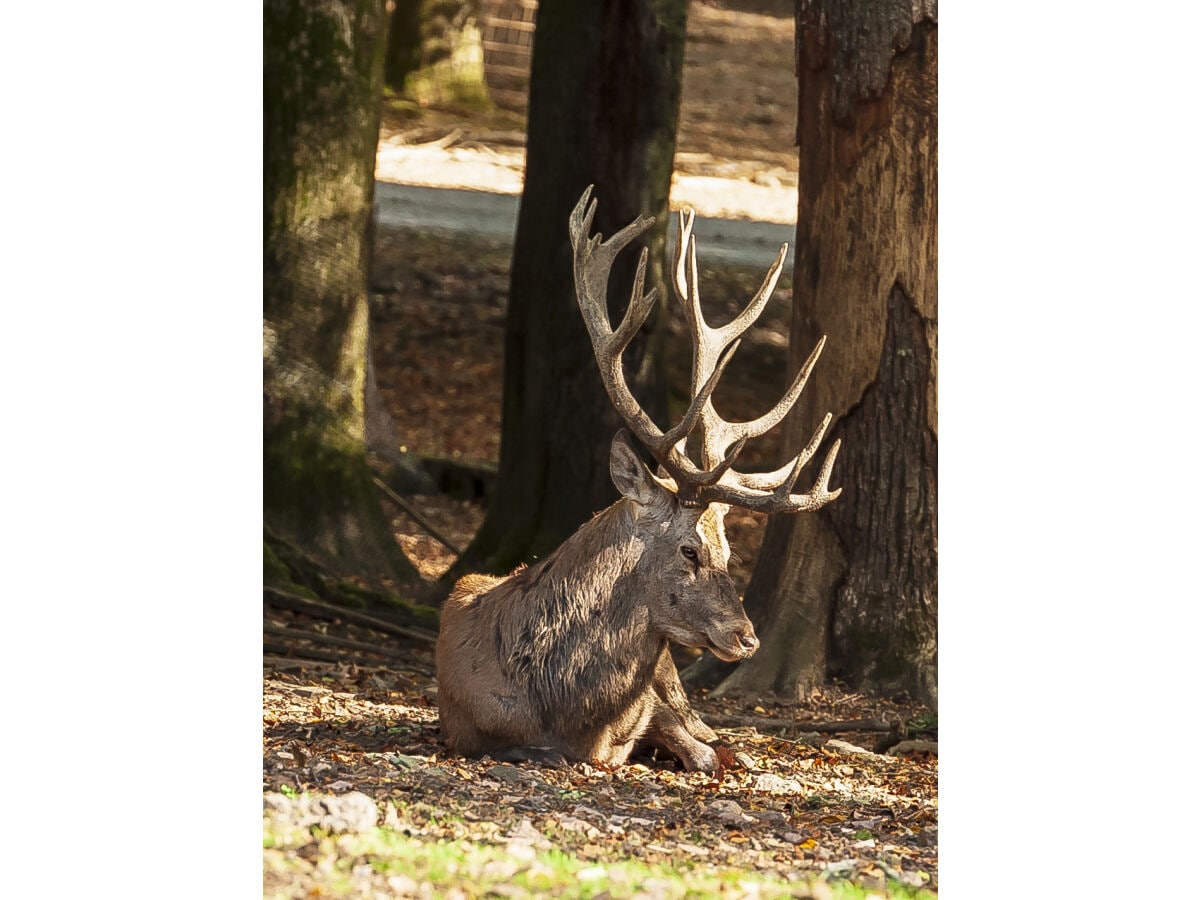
<point>574,627</point>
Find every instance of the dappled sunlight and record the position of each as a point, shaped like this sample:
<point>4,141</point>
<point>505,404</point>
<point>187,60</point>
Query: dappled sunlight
<point>725,198</point>
<point>735,153</point>
<point>499,170</point>
<point>350,748</point>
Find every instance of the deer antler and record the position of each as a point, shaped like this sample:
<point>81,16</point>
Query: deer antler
<point>722,441</point>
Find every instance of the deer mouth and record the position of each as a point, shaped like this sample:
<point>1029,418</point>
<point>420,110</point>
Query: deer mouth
<point>733,646</point>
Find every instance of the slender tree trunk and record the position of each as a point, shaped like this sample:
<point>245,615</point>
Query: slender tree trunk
<point>404,44</point>
<point>435,52</point>
<point>603,109</point>
<point>852,590</point>
<point>322,84</point>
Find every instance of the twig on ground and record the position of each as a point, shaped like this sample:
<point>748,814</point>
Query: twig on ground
<point>299,634</point>
<point>416,516</point>
<point>284,663</point>
<point>294,602</point>
<point>805,741</point>
<point>723,720</point>
<point>440,144</point>
<point>285,651</point>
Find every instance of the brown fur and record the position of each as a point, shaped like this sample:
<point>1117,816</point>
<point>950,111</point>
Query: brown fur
<point>571,653</point>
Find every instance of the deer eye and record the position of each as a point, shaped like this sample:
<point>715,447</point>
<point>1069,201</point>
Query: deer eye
<point>689,553</point>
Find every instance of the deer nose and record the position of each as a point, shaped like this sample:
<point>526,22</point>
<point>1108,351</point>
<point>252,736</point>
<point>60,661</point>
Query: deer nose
<point>746,639</point>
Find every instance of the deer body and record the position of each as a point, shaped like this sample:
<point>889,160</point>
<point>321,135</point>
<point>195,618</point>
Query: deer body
<point>571,654</point>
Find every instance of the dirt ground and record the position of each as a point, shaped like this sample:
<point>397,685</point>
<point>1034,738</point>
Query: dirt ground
<point>794,801</point>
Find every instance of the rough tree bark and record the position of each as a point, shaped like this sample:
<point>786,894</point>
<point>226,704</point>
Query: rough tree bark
<point>603,109</point>
<point>851,591</point>
<point>322,87</point>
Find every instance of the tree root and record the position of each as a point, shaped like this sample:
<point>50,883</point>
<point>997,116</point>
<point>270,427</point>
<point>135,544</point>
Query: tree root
<point>280,599</point>
<point>764,724</point>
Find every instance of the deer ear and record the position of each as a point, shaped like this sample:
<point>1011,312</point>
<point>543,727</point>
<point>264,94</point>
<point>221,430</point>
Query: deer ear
<point>630,475</point>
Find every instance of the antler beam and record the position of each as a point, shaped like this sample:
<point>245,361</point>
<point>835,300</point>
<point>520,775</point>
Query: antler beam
<point>714,480</point>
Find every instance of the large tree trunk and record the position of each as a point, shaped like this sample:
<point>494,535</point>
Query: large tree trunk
<point>851,591</point>
<point>322,84</point>
<point>603,108</point>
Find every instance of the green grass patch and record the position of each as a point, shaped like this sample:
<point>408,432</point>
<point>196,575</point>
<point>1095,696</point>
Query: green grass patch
<point>343,865</point>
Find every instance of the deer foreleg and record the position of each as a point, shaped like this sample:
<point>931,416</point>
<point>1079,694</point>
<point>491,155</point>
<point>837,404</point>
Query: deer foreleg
<point>667,732</point>
<point>671,694</point>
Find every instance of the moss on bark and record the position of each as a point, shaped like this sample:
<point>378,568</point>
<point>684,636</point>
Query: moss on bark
<point>323,67</point>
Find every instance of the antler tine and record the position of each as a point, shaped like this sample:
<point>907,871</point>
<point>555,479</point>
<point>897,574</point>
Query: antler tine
<point>771,492</point>
<point>640,305</point>
<point>769,481</point>
<point>708,343</point>
<point>685,288</point>
<point>678,435</point>
<point>593,264</point>
<point>765,423</point>
<point>754,308</point>
<point>781,500</point>
<point>826,471</point>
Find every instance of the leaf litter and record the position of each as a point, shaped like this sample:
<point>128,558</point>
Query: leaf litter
<point>777,807</point>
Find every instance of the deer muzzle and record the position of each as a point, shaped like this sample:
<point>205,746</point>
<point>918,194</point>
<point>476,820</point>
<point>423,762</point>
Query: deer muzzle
<point>737,643</point>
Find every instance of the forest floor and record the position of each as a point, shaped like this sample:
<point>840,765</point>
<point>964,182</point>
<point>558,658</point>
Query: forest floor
<point>362,799</point>
<point>816,797</point>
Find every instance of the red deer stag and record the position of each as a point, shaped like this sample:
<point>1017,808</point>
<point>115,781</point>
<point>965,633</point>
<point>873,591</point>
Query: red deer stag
<point>568,658</point>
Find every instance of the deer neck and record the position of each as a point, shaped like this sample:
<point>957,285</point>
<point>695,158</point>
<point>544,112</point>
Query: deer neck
<point>591,582</point>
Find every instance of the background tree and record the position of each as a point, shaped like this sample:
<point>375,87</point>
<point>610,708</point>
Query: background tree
<point>603,108</point>
<point>852,590</point>
<point>435,52</point>
<point>322,86</point>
